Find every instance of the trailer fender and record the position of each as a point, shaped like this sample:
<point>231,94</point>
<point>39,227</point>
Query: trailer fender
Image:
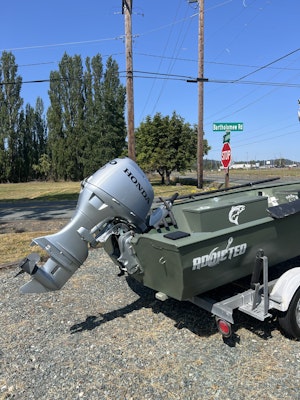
<point>284,289</point>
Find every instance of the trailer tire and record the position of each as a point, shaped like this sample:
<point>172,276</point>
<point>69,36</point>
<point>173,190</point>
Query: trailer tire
<point>290,320</point>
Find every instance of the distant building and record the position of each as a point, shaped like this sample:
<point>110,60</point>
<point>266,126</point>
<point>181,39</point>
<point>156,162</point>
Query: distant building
<point>241,166</point>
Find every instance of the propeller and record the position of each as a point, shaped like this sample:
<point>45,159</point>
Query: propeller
<point>28,264</point>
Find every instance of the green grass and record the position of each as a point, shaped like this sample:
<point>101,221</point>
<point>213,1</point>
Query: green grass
<point>43,191</point>
<point>16,246</point>
<point>50,191</point>
<point>39,191</point>
<point>267,173</point>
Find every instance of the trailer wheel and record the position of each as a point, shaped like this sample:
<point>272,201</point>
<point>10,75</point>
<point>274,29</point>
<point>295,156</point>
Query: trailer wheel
<point>290,320</point>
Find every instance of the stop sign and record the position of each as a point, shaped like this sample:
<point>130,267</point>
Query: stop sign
<point>226,155</point>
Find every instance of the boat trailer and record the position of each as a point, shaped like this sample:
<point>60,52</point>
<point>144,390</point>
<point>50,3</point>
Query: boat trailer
<point>281,295</point>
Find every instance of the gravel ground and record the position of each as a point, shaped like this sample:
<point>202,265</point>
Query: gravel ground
<point>106,337</point>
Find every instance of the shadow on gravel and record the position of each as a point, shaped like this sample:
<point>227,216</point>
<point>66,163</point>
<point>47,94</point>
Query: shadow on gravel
<point>94,321</point>
<point>184,314</point>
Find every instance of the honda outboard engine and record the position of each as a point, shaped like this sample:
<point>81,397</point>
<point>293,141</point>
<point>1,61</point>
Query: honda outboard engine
<point>114,201</point>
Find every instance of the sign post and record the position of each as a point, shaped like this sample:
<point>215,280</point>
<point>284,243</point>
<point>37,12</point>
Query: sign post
<point>227,127</point>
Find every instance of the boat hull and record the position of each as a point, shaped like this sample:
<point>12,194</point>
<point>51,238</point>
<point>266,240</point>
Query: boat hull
<point>216,241</point>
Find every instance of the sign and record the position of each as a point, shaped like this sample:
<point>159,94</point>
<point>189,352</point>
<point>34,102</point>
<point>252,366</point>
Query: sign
<point>228,126</point>
<point>226,155</point>
<point>226,137</point>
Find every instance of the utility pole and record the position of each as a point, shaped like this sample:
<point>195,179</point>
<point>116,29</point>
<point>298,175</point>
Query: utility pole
<point>127,11</point>
<point>200,146</point>
<point>200,80</point>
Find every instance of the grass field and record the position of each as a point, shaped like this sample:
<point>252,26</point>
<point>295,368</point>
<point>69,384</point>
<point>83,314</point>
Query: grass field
<point>39,191</point>
<point>43,191</point>
<point>15,245</point>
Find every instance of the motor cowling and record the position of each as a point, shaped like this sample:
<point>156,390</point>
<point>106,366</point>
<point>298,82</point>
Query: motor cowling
<point>119,192</point>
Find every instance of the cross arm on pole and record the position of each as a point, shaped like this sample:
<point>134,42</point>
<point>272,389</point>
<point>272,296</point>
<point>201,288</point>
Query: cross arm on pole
<point>197,80</point>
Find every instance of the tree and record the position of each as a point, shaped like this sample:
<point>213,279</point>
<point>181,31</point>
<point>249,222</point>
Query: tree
<point>93,76</point>
<point>112,141</point>
<point>39,130</point>
<point>279,163</point>
<point>166,144</point>
<point>66,118</point>
<point>10,107</point>
<point>56,132</point>
<point>86,117</point>
<point>43,168</point>
<point>105,107</point>
<point>24,158</point>
<point>31,141</point>
<point>23,132</point>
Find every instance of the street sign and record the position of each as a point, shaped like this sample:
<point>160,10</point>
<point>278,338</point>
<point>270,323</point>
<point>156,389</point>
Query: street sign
<point>226,155</point>
<point>228,126</point>
<point>226,137</point>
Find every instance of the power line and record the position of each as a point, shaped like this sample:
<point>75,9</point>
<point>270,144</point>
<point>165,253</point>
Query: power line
<point>269,83</point>
<point>268,139</point>
<point>45,46</point>
<point>35,81</point>
<point>92,41</point>
<point>169,25</point>
<point>242,141</point>
<point>231,21</point>
<point>56,62</point>
<point>280,84</point>
<point>267,65</point>
<point>170,58</point>
<point>174,77</point>
<point>171,65</point>
<point>213,62</point>
<point>262,140</point>
<point>158,69</point>
<point>157,75</point>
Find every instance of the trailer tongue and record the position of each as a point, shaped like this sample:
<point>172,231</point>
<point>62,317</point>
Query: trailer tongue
<point>182,247</point>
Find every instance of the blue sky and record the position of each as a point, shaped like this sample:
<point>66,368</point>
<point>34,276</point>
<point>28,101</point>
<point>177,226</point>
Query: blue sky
<point>252,42</point>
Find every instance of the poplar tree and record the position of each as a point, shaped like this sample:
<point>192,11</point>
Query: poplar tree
<point>56,131</point>
<point>105,107</point>
<point>93,90</point>
<point>66,118</point>
<point>86,117</point>
<point>31,141</point>
<point>10,107</point>
<point>24,158</point>
<point>112,142</point>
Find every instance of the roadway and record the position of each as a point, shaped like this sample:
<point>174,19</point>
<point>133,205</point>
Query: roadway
<point>37,210</point>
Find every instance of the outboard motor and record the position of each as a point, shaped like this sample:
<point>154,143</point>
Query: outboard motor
<point>113,201</point>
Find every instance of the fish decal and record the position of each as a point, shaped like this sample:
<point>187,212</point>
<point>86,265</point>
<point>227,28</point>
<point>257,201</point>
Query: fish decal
<point>234,213</point>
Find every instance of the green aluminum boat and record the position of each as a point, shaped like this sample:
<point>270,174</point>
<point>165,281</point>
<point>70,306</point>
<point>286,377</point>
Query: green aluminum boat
<point>216,237</point>
<point>184,246</point>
